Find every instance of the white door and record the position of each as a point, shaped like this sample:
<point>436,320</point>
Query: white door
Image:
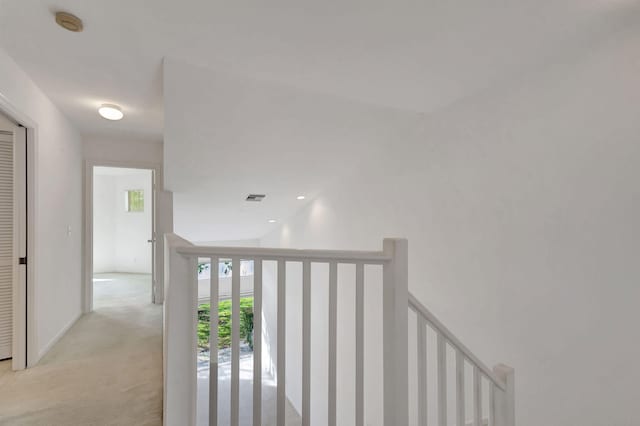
<point>12,230</point>
<point>153,240</point>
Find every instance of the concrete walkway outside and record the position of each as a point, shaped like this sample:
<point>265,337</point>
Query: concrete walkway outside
<point>269,397</point>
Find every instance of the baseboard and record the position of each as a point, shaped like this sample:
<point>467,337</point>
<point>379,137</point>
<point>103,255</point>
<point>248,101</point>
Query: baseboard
<point>55,340</point>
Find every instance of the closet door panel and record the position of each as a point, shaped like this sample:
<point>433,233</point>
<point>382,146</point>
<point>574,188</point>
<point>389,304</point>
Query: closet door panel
<point>7,264</point>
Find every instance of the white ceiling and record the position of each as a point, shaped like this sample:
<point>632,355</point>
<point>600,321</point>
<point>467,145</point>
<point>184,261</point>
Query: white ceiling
<point>415,55</point>
<point>228,136</point>
<point>300,88</point>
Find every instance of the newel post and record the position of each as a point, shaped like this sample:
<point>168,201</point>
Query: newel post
<point>179,334</point>
<point>395,332</point>
<point>505,403</point>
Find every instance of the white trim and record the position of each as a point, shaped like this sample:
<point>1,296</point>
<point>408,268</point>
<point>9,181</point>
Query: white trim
<point>57,338</point>
<point>32,240</point>
<point>26,324</point>
<point>8,109</point>
<point>87,246</point>
<point>19,302</point>
<point>247,253</point>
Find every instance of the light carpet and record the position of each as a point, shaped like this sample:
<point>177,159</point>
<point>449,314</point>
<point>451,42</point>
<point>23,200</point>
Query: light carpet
<point>107,370</point>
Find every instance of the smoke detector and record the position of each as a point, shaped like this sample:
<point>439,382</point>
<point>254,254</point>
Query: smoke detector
<point>255,197</point>
<point>69,22</point>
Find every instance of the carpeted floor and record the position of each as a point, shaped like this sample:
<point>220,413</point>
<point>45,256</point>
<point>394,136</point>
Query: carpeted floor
<point>107,370</point>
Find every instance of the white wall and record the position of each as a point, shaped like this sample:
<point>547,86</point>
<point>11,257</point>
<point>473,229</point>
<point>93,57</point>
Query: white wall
<point>229,243</point>
<point>225,287</point>
<point>104,223</point>
<point>57,188</point>
<point>120,237</point>
<point>123,150</point>
<point>133,251</point>
<point>521,209</point>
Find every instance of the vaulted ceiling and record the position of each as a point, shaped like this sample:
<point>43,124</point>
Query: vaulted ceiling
<point>414,55</point>
<point>298,90</point>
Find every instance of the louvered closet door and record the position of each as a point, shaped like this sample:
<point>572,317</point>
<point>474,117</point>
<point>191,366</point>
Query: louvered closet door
<point>6,242</point>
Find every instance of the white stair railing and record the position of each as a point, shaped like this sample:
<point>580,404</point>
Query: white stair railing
<point>180,339</point>
<point>501,407</point>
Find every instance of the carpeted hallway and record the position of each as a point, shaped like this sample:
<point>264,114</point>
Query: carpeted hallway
<point>107,370</point>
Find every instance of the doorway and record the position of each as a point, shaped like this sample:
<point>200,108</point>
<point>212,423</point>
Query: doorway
<point>123,243</point>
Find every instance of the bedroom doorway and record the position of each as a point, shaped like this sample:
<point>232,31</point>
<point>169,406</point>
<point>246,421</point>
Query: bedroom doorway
<point>123,242</point>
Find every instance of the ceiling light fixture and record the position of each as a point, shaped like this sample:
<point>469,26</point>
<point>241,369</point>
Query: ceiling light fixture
<point>272,221</point>
<point>69,22</point>
<point>110,112</point>
<point>300,197</point>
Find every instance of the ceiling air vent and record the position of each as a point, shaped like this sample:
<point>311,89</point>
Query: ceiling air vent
<point>255,197</point>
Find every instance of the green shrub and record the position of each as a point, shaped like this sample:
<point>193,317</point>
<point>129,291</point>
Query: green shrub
<point>224,323</point>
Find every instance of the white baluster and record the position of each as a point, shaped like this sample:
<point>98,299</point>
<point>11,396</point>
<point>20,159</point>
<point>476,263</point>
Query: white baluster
<point>333,326</point>
<point>213,342</point>
<point>492,403</point>
<point>442,381</point>
<point>460,400</point>
<point>359,344</point>
<point>257,342</point>
<point>477,397</point>
<point>281,357</point>
<point>422,370</point>
<point>235,342</point>
<point>306,343</point>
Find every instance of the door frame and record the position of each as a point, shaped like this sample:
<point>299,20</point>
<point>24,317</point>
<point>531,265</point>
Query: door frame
<point>87,264</point>
<point>24,313</point>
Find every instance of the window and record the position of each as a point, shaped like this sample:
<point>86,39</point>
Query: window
<point>225,269</point>
<point>134,200</point>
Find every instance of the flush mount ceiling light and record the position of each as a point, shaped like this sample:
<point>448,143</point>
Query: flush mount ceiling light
<point>300,197</point>
<point>272,221</point>
<point>110,112</point>
<point>69,22</point>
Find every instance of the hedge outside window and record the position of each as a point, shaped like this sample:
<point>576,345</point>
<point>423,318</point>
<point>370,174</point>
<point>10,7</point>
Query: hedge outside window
<point>134,200</point>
